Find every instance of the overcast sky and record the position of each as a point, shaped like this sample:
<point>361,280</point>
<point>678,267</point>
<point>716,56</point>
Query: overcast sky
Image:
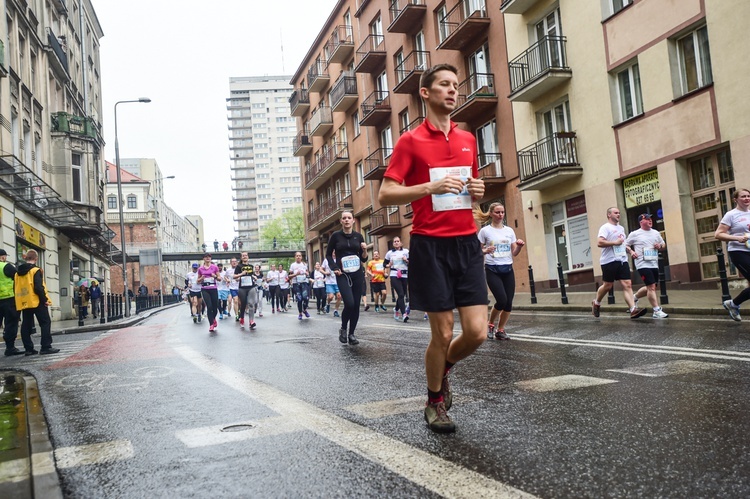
<point>180,54</point>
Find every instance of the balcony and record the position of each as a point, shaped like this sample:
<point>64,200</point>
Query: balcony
<point>385,220</point>
<point>317,76</point>
<point>340,44</point>
<point>476,97</point>
<point>412,125</point>
<point>321,122</point>
<point>60,61</point>
<point>463,23</point>
<point>376,163</point>
<point>549,162</point>
<point>406,15</point>
<point>330,211</point>
<point>329,163</point>
<point>491,168</point>
<point>371,55</point>
<point>517,6</point>
<point>541,68</point>
<point>410,71</point>
<point>63,122</point>
<point>376,109</point>
<point>301,144</point>
<point>408,211</point>
<point>299,102</point>
<point>344,93</point>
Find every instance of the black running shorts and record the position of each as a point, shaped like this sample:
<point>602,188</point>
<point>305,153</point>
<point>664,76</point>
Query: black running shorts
<point>446,273</point>
<point>377,287</point>
<point>649,275</point>
<point>616,271</point>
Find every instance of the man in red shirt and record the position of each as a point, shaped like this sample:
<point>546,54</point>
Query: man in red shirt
<point>434,167</point>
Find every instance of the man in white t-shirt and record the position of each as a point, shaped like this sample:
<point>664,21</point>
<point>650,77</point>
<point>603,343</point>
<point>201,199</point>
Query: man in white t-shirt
<point>645,244</point>
<point>614,262</point>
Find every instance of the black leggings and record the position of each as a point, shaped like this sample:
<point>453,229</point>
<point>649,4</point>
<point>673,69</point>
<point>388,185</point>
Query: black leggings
<point>283,298</point>
<point>320,298</point>
<point>351,294</point>
<point>275,298</point>
<point>399,285</point>
<point>211,300</point>
<point>302,295</point>
<point>503,287</point>
<point>741,260</point>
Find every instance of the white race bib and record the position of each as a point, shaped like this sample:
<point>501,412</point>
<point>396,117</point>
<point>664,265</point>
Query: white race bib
<point>747,243</point>
<point>246,280</point>
<point>447,202</point>
<point>650,255</point>
<point>619,250</point>
<point>502,249</point>
<point>350,263</point>
<point>208,281</point>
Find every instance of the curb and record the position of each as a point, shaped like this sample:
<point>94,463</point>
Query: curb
<point>44,479</point>
<point>122,323</point>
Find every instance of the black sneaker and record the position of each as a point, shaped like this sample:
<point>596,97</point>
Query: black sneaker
<point>500,334</point>
<point>353,340</point>
<point>437,418</point>
<point>47,351</point>
<point>31,352</point>
<point>13,351</point>
<point>342,335</point>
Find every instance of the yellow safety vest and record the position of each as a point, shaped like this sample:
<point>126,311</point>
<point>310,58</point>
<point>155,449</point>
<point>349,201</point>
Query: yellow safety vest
<point>25,296</point>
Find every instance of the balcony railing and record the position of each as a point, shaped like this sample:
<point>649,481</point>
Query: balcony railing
<point>376,109</point>
<point>299,102</point>
<point>476,96</point>
<point>344,93</point>
<point>384,220</point>
<point>332,159</point>
<point>321,121</point>
<point>376,163</point>
<point>412,125</point>
<point>62,57</point>
<point>463,23</point>
<point>301,144</point>
<point>410,70</point>
<point>491,167</point>
<point>76,125</point>
<point>330,210</point>
<point>371,54</point>
<point>340,44</point>
<point>406,15</point>
<point>549,161</point>
<point>317,75</point>
<point>546,58</point>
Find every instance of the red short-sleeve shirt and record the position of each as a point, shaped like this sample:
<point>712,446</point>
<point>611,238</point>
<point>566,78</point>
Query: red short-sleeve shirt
<point>418,151</point>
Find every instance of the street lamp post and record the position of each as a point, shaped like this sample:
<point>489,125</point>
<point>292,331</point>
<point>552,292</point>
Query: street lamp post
<point>122,219</point>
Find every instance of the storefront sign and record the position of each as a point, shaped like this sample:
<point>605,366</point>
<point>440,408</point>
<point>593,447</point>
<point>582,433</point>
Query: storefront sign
<point>641,189</point>
<point>30,234</point>
<point>575,206</point>
<point>580,244</point>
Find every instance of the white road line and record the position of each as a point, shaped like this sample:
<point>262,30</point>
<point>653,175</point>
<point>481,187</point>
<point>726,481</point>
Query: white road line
<point>624,317</point>
<point>420,467</point>
<point>565,382</point>
<point>671,368</point>
<point>14,470</point>
<point>105,452</point>
<point>212,435</point>
<point>384,408</point>
<point>635,347</point>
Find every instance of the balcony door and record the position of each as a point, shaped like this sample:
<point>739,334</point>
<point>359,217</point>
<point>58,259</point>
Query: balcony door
<point>551,51</point>
<point>487,143</point>
<point>376,28</point>
<point>419,46</point>
<point>554,121</point>
<point>479,68</point>
<point>386,141</point>
<point>472,6</point>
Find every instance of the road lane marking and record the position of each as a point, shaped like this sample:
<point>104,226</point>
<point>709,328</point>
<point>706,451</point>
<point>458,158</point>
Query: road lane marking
<point>670,368</point>
<point>212,435</point>
<point>104,452</point>
<point>565,382</point>
<point>421,468</point>
<point>384,408</point>
<point>14,470</point>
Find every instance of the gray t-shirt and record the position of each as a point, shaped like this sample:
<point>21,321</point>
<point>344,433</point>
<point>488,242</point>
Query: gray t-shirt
<point>738,222</point>
<point>643,242</point>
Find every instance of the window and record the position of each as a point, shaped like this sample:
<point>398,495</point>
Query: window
<point>132,202</point>
<point>694,60</point>
<point>76,176</point>
<point>629,89</point>
<point>111,202</point>
<point>360,176</point>
<point>355,119</point>
<point>487,143</point>
<point>443,29</point>
<point>403,119</point>
<point>617,5</point>
<point>386,141</point>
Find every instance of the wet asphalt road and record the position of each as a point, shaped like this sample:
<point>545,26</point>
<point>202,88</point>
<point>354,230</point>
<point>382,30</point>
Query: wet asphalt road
<point>572,407</point>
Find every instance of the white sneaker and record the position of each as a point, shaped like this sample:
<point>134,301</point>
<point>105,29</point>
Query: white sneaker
<point>659,314</point>
<point>734,311</point>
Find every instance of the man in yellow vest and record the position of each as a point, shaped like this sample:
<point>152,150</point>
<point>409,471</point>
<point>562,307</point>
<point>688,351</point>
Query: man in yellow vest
<point>32,299</point>
<point>8,313</point>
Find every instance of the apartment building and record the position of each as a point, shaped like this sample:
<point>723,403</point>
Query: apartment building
<point>265,173</point>
<point>628,103</point>
<point>356,92</point>
<point>51,161</point>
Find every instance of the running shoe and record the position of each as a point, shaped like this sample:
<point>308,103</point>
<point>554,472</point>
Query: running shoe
<point>328,308</point>
<point>237,317</point>
<point>637,312</point>
<point>396,316</point>
<point>367,307</point>
<point>353,340</point>
<point>437,418</point>
<point>383,308</point>
<point>425,316</point>
<point>445,391</point>
<point>211,328</point>
<point>260,315</point>
<point>595,309</point>
<point>195,319</point>
<point>734,310</point>
<point>659,314</point>
<point>242,323</point>
<point>221,317</point>
<point>278,310</point>
<point>307,314</point>
<point>336,313</point>
<point>200,318</point>
<point>342,335</point>
<point>490,330</point>
<point>273,311</point>
<point>299,317</point>
<point>252,325</point>
<point>406,317</point>
<point>500,334</point>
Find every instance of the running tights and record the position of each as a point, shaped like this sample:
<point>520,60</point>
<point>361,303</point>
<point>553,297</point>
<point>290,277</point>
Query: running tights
<point>275,298</point>
<point>320,298</point>
<point>283,298</point>
<point>211,301</point>
<point>350,287</point>
<point>399,285</point>
<point>248,296</point>
<point>741,260</point>
<point>302,295</point>
<point>503,287</point>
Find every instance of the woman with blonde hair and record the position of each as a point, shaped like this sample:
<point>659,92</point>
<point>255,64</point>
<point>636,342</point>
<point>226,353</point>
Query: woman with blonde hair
<point>499,245</point>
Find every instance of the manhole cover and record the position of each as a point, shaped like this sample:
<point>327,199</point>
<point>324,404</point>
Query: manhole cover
<point>238,427</point>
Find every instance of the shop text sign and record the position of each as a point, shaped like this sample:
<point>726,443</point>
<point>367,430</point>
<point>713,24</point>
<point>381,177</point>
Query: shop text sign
<point>641,189</point>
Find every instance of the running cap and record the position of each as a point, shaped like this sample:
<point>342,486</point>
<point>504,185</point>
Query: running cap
<point>644,216</point>
<point>195,265</point>
<point>206,254</point>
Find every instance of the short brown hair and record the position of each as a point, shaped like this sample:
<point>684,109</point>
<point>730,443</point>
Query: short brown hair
<point>31,255</point>
<point>428,77</point>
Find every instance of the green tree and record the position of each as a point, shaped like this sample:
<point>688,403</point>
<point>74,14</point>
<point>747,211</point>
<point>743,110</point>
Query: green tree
<point>289,232</point>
